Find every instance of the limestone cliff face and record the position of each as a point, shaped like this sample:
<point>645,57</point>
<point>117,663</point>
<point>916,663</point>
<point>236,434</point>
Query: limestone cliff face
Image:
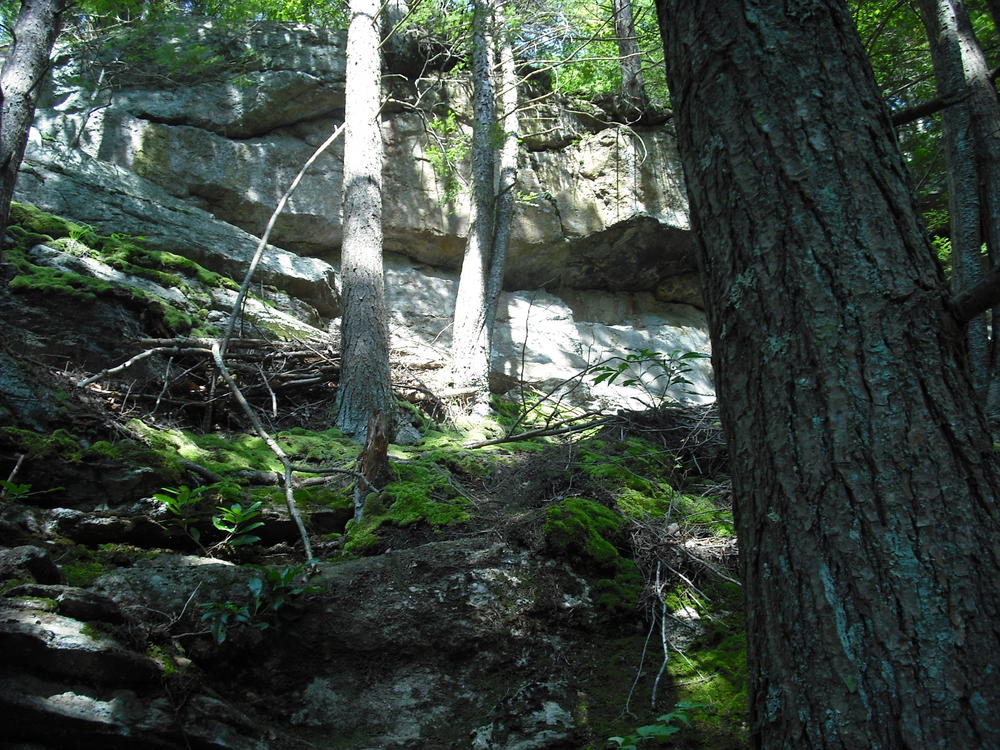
<point>197,169</point>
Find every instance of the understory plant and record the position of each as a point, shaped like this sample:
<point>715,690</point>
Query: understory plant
<point>655,373</point>
<point>665,726</point>
<point>11,490</point>
<point>234,520</point>
<point>274,593</point>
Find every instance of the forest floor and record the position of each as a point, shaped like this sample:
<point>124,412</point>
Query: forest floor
<point>160,459</point>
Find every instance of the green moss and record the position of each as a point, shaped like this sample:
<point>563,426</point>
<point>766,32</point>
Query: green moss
<point>420,492</point>
<point>10,583</point>
<point>228,454</point>
<point>128,255</point>
<point>416,415</point>
<point>707,511</point>
<point>594,534</point>
<point>83,572</point>
<point>44,280</point>
<point>36,279</point>
<point>636,504</point>
<point>374,505</point>
<point>164,659</point>
<point>581,527</point>
<point>40,603</point>
<point>65,446</point>
<point>407,510</point>
<point>423,491</point>
<point>32,219</point>
<point>70,246</point>
<point>714,670</point>
<point>361,538</point>
<point>31,226</point>
<point>633,463</point>
<point>619,595</point>
<point>318,447</point>
<point>113,554</point>
<point>153,155</point>
<point>35,445</point>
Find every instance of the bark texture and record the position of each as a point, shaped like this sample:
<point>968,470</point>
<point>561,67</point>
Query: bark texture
<point>27,62</point>
<point>470,351</point>
<point>865,480</point>
<point>507,177</point>
<point>971,130</point>
<point>630,56</point>
<point>365,386</point>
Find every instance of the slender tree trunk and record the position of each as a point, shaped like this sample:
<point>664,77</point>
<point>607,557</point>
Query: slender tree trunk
<point>365,386</point>
<point>507,182</point>
<point>630,59</point>
<point>971,129</point>
<point>865,480</point>
<point>34,33</point>
<point>470,352</point>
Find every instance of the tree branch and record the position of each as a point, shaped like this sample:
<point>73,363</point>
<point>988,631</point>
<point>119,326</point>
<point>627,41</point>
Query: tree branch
<point>545,432</point>
<point>974,301</point>
<point>908,115</point>
<point>271,443</point>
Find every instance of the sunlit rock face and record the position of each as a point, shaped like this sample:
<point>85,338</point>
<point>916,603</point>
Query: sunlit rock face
<point>197,168</point>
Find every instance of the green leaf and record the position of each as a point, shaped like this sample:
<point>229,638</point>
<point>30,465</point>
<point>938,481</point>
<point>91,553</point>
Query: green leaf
<point>222,525</point>
<point>256,586</point>
<point>241,540</point>
<point>656,730</point>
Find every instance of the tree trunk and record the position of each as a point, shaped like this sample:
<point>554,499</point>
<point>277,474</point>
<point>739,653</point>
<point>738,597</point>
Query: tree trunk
<point>27,61</point>
<point>971,130</point>
<point>866,484</point>
<point>365,386</point>
<point>470,352</point>
<point>630,60</point>
<point>507,182</point>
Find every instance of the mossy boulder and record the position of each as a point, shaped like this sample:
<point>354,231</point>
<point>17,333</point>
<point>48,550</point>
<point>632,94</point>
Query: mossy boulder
<point>594,536</point>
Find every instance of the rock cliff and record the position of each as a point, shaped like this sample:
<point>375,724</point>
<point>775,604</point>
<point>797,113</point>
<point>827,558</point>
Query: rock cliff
<point>526,596</point>
<point>601,260</point>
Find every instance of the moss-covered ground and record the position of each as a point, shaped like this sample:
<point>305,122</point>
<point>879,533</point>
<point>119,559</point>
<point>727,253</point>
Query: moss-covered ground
<point>614,505</point>
<point>599,490</point>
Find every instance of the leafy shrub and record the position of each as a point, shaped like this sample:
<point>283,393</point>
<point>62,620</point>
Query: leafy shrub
<point>664,727</point>
<point>274,594</point>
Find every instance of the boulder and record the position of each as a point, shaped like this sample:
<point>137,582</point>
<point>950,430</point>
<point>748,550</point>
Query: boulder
<point>65,648</point>
<point>553,340</point>
<point>72,601</point>
<point>441,645</point>
<point>29,562</point>
<point>70,183</point>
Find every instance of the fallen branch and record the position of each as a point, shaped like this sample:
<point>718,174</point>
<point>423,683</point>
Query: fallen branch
<point>138,358</point>
<point>270,442</point>
<point>262,245</point>
<point>544,432</point>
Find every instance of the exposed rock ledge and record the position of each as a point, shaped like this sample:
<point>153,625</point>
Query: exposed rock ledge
<point>195,169</point>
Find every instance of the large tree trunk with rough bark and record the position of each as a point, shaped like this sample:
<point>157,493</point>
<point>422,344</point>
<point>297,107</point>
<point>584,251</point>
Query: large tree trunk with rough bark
<point>865,480</point>
<point>34,33</point>
<point>971,130</point>
<point>470,350</point>
<point>365,386</point>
